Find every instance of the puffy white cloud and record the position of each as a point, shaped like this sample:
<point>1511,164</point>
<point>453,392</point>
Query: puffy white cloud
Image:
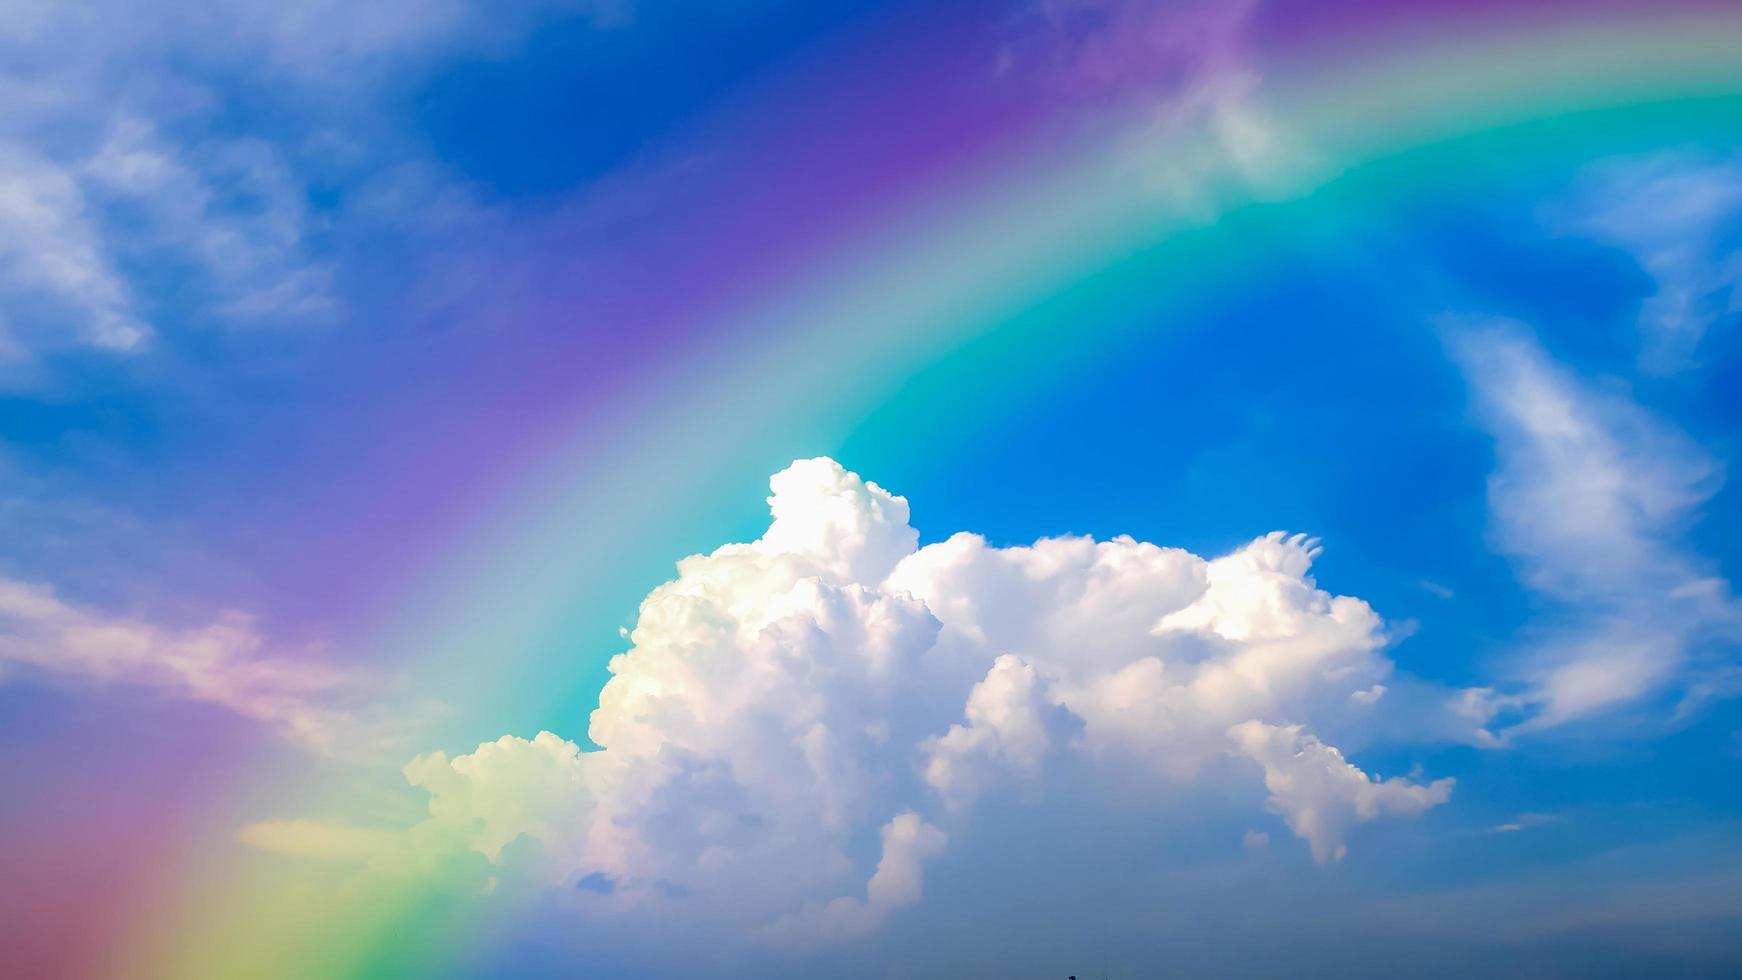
<point>908,842</point>
<point>507,788</point>
<point>1011,728</point>
<point>226,663</point>
<point>1589,498</point>
<point>1320,793</point>
<point>853,530</point>
<point>803,722</point>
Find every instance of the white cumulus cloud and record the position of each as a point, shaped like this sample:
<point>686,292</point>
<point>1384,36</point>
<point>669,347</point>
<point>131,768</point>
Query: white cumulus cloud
<point>1320,793</point>
<point>805,725</point>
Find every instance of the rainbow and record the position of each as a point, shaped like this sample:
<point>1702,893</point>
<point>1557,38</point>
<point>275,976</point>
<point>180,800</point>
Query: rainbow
<point>1039,230</point>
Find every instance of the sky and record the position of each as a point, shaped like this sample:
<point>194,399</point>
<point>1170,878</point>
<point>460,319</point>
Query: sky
<point>627,488</point>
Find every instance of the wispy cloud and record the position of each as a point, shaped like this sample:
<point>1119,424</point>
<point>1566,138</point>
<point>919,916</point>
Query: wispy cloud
<point>1435,589</point>
<point>1199,127</point>
<point>1525,821</point>
<point>231,209</point>
<point>1096,47</point>
<point>54,263</point>
<point>1680,215</point>
<point>1591,497</point>
<point>226,662</point>
<point>176,166</point>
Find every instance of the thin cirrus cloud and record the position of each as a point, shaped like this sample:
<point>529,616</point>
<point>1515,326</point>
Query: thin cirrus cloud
<point>1202,131</point>
<point>227,216</point>
<point>231,208</point>
<point>145,198</point>
<point>1525,821</point>
<point>52,252</point>
<point>226,663</point>
<point>831,683</point>
<point>1590,499</point>
<point>141,195</point>
<point>1679,214</point>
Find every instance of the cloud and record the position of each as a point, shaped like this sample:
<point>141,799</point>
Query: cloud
<point>1320,794</point>
<point>231,208</point>
<point>225,663</point>
<point>309,37</point>
<point>53,261</point>
<point>88,239</point>
<point>805,725</point>
<point>1680,215</point>
<point>508,788</point>
<point>1525,821</point>
<point>1436,590</point>
<point>206,165</point>
<point>1198,131</point>
<point>908,842</point>
<point>1011,727</point>
<point>316,841</point>
<point>110,230</point>
<point>1098,47</point>
<point>1589,499</point>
